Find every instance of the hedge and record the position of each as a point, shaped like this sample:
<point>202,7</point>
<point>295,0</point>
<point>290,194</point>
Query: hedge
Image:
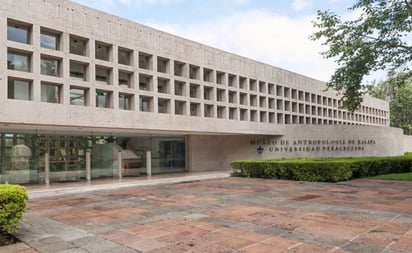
<point>12,207</point>
<point>322,170</point>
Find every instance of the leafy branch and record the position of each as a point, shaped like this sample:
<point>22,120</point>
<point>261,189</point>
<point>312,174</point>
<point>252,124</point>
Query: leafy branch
<point>379,39</point>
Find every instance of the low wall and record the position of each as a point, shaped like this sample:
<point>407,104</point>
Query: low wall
<point>209,152</point>
<point>407,143</point>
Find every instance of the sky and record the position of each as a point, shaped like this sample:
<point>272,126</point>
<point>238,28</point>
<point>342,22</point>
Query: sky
<point>271,31</point>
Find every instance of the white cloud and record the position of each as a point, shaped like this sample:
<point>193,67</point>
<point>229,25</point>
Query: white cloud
<point>264,36</point>
<point>336,1</point>
<point>108,5</point>
<point>277,40</point>
<point>299,5</point>
<point>153,2</point>
<point>238,2</point>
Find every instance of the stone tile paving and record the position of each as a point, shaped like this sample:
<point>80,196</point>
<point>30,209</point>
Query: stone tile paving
<point>225,215</point>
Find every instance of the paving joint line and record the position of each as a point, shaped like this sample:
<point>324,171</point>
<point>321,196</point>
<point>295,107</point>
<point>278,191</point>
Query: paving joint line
<point>368,231</point>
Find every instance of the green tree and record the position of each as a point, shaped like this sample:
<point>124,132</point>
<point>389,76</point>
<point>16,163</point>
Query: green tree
<point>397,90</point>
<point>376,40</point>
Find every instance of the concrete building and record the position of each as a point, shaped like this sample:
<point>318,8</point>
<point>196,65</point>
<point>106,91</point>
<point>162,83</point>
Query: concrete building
<point>85,95</point>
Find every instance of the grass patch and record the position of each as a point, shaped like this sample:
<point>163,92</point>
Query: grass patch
<point>398,177</point>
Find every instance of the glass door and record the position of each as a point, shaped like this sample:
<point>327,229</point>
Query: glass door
<point>171,155</point>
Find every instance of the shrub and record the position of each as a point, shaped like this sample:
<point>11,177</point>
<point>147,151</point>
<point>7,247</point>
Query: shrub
<point>12,207</point>
<point>323,170</point>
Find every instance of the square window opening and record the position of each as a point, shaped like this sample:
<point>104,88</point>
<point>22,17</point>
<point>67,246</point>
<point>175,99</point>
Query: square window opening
<point>18,31</point>
<point>220,78</point>
<point>103,51</point>
<point>221,95</point>
<point>51,93</point>
<point>103,75</point>
<point>50,66</point>
<point>19,89</point>
<point>125,79</point>
<point>232,80</point>
<point>208,75</point>
<point>194,91</point>
<point>232,97</point>
<point>208,93</point>
<point>163,105</point>
<point>180,88</point>
<point>163,65</point>
<point>145,82</point>
<point>125,101</point>
<point>179,68</point>
<point>163,85</point>
<point>242,82</point>
<point>208,111</point>
<point>146,104</point>
<point>103,99</point>
<point>78,45</point>
<point>233,113</point>
<point>20,61</point>
<point>49,39</point>
<point>194,72</point>
<point>78,70</point>
<point>221,112</point>
<point>125,56</point>
<point>145,61</point>
<point>180,107</point>
<point>194,109</point>
<point>78,96</point>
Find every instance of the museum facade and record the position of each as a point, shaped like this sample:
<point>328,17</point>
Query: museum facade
<point>85,95</point>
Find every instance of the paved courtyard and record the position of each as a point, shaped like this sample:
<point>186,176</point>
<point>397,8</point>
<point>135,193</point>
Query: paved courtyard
<point>224,215</point>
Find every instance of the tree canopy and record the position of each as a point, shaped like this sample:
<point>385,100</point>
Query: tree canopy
<point>379,39</point>
<point>397,90</point>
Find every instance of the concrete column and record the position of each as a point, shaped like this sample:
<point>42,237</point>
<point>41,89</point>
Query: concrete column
<point>149,163</point>
<point>88,166</point>
<point>47,168</point>
<point>119,163</point>
<point>35,68</point>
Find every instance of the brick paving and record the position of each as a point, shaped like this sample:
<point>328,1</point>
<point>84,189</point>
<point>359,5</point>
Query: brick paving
<point>224,215</point>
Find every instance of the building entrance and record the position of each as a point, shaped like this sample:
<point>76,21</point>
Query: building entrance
<point>171,156</point>
<point>168,153</point>
<point>27,158</point>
